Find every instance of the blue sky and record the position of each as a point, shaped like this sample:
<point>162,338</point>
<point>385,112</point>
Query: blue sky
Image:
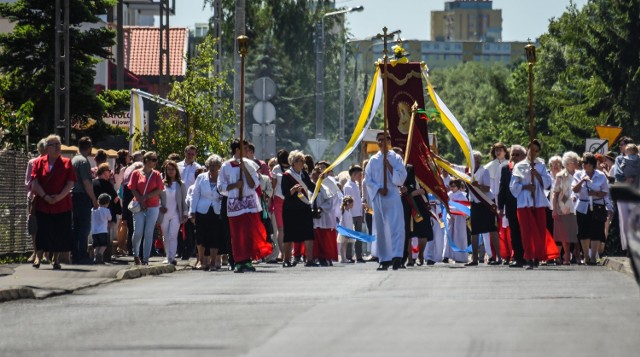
<point>521,19</point>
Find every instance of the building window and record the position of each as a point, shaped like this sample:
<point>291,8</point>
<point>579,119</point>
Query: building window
<point>436,46</point>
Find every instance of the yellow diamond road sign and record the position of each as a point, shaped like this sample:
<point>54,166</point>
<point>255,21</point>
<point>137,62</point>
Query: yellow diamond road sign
<point>610,133</point>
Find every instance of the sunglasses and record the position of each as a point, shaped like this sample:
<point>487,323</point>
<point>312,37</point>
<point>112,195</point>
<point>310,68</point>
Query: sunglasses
<point>53,144</point>
<point>155,159</point>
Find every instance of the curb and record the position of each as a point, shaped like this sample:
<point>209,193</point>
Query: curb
<point>19,293</point>
<point>618,266</point>
<point>134,273</point>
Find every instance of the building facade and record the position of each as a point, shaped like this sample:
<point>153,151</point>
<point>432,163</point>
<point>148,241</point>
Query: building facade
<point>467,20</point>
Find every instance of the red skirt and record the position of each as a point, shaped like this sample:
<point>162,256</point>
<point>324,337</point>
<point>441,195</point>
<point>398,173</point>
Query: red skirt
<point>325,244</point>
<point>248,237</point>
<point>536,239</point>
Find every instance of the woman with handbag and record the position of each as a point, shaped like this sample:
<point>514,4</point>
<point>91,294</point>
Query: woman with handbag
<point>204,212</point>
<point>146,186</point>
<point>565,225</point>
<point>591,187</point>
<point>297,188</point>
<point>53,176</point>
<point>173,210</point>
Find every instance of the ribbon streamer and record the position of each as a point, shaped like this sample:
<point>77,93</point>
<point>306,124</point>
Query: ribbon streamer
<point>363,237</point>
<point>366,118</point>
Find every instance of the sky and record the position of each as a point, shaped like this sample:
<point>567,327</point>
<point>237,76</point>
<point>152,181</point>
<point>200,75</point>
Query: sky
<point>521,19</point>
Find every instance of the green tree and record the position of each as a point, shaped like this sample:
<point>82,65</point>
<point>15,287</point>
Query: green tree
<point>281,47</point>
<point>27,58</point>
<point>13,123</point>
<point>210,117</point>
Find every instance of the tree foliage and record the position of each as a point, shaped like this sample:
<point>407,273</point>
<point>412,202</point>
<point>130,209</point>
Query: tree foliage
<point>281,34</point>
<point>208,115</point>
<point>27,58</point>
<point>587,74</point>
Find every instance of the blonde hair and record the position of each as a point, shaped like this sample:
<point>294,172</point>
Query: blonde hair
<point>633,148</point>
<point>295,154</point>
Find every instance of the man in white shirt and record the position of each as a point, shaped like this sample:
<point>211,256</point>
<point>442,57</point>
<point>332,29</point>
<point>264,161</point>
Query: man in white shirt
<point>352,188</point>
<point>188,166</point>
<point>239,181</point>
<point>388,218</point>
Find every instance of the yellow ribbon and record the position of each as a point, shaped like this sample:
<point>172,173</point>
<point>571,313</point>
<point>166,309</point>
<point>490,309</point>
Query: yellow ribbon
<point>358,133</point>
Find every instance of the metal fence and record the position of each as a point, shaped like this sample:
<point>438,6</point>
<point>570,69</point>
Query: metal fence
<point>13,203</point>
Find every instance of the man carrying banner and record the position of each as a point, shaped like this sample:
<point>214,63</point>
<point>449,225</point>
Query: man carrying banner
<point>238,180</point>
<point>388,219</point>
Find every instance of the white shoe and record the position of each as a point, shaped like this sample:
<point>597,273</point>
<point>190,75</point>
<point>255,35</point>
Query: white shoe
<point>166,261</point>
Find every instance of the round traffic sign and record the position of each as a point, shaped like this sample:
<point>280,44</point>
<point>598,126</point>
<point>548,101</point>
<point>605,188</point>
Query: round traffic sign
<point>264,88</point>
<point>264,112</point>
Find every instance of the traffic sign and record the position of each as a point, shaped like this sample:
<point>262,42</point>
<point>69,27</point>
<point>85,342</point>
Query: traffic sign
<point>610,133</point>
<point>596,146</point>
<point>318,147</point>
<point>264,112</point>
<point>264,88</point>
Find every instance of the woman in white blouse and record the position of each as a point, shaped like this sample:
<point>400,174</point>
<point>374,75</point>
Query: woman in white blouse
<point>591,187</point>
<point>565,226</point>
<point>173,210</point>
<point>204,211</point>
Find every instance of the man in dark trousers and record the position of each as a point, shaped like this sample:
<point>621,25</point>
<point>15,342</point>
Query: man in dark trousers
<point>508,205</point>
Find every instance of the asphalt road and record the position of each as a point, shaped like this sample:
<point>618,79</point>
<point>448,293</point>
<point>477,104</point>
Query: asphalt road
<point>338,311</point>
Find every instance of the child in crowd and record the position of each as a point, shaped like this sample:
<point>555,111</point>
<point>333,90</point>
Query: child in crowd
<point>346,220</point>
<point>631,164</point>
<point>100,218</point>
<point>457,225</point>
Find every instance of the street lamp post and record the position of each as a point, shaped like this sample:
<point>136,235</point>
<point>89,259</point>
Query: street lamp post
<point>320,68</point>
<point>530,52</point>
<point>243,46</point>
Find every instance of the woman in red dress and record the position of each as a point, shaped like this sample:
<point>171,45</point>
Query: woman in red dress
<point>53,177</point>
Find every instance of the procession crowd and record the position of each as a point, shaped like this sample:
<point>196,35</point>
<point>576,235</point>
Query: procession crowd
<point>515,209</point>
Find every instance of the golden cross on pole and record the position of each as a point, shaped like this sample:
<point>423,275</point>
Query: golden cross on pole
<point>385,36</point>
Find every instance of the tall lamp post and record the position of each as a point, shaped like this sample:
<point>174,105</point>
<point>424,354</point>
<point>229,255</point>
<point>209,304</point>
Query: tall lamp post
<point>530,52</point>
<point>243,46</point>
<point>320,68</point>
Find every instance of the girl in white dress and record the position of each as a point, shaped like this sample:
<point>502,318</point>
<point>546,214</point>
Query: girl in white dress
<point>457,225</point>
<point>346,220</point>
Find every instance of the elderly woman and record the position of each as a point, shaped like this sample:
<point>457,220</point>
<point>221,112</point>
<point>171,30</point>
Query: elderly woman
<point>565,226</point>
<point>146,186</point>
<point>173,210</point>
<point>52,176</point>
<point>591,187</point>
<point>204,211</point>
<point>296,211</point>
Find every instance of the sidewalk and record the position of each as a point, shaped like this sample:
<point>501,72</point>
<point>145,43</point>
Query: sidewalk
<point>621,264</point>
<point>22,281</point>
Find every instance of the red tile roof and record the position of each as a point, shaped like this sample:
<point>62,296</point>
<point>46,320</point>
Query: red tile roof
<point>142,50</point>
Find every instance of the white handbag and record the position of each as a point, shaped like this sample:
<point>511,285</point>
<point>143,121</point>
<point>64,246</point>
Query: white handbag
<point>134,206</point>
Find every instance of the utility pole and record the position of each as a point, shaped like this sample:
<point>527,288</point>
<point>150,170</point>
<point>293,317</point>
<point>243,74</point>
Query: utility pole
<point>237,90</point>
<point>120,45</point>
<point>163,83</point>
<point>217,33</point>
<point>61,82</point>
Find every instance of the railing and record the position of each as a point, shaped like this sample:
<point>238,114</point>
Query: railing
<point>13,203</point>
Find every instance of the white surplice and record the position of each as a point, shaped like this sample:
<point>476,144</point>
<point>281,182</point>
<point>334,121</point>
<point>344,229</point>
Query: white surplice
<point>388,217</point>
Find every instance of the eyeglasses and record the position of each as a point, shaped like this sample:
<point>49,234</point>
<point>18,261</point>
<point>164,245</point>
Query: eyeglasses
<point>381,140</point>
<point>53,144</point>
